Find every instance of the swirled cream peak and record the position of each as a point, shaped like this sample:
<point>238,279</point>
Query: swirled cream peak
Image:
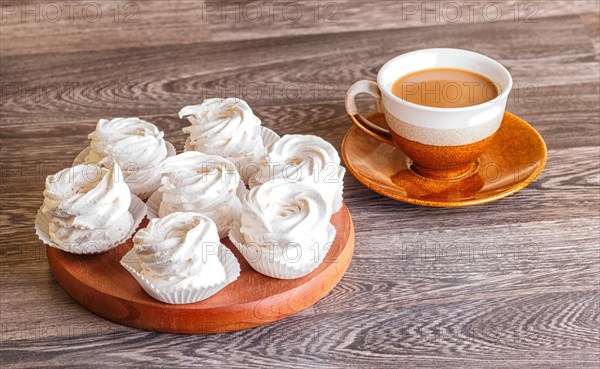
<point>279,214</point>
<point>136,145</point>
<point>304,158</point>
<point>180,250</point>
<point>225,127</point>
<point>88,204</point>
<point>201,183</point>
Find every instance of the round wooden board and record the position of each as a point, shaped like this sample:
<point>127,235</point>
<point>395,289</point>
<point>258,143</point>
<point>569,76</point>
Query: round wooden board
<point>102,285</point>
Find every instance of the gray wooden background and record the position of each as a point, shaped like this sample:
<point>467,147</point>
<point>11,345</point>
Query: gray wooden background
<point>511,284</point>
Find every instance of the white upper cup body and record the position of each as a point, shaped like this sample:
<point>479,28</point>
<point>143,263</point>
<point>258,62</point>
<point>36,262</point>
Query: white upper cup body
<point>432,125</point>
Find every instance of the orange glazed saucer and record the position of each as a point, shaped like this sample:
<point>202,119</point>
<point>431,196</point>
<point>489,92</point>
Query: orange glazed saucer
<point>515,157</point>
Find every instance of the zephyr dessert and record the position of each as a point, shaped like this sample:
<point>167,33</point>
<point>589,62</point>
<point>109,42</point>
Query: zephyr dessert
<point>88,209</point>
<point>285,230</point>
<point>304,158</point>
<point>178,259</point>
<point>281,225</point>
<point>207,184</point>
<point>229,128</point>
<point>136,145</point>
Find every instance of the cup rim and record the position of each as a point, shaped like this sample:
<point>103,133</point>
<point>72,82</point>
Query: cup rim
<point>395,98</point>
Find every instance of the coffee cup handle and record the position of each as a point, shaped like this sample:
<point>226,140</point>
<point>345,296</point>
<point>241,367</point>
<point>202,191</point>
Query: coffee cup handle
<point>370,128</point>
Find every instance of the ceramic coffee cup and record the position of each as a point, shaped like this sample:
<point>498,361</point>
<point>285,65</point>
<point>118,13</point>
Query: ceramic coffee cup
<point>443,143</point>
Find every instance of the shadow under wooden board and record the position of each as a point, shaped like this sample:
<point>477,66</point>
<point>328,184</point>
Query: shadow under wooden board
<point>102,285</point>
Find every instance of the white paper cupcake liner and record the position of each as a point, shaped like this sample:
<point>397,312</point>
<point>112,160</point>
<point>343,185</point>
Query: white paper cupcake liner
<point>171,151</point>
<point>137,208</point>
<point>260,260</point>
<point>269,136</point>
<point>153,205</point>
<point>187,146</point>
<point>142,190</point>
<point>178,295</point>
<point>80,158</point>
<point>338,197</point>
<point>241,190</point>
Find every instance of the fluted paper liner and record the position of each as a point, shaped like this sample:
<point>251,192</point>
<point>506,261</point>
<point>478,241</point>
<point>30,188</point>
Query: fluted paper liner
<point>80,159</point>
<point>260,261</point>
<point>268,136</point>
<point>153,205</point>
<point>181,295</point>
<point>137,208</point>
<point>338,197</point>
<point>241,190</point>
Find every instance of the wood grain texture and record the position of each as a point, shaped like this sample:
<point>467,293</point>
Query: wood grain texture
<point>38,27</point>
<point>510,284</point>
